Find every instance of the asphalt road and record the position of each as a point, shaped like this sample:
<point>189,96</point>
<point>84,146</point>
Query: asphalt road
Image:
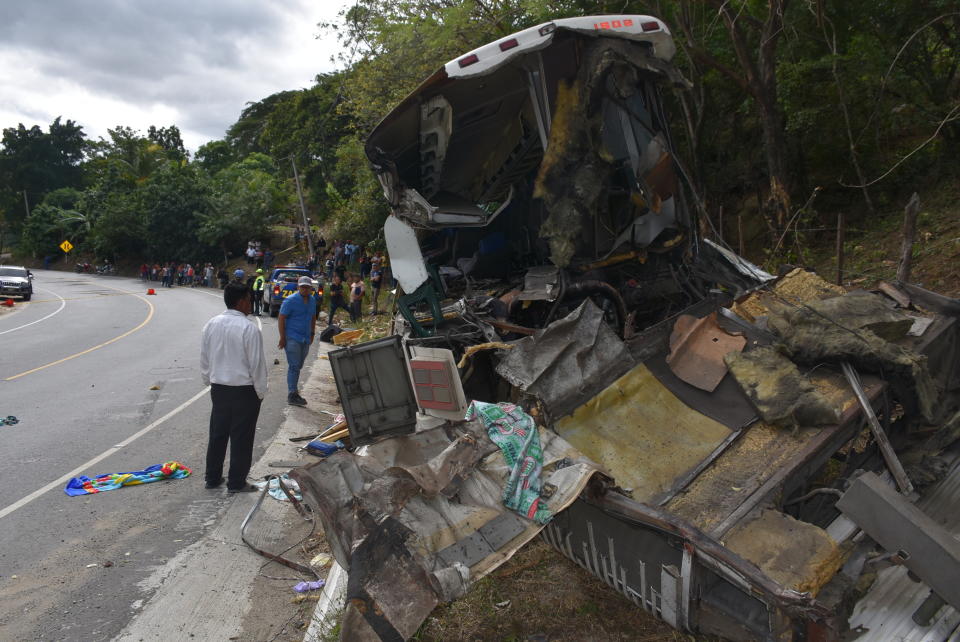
<point>103,379</point>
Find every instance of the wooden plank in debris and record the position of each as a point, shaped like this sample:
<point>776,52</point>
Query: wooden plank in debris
<point>894,293</point>
<point>886,448</point>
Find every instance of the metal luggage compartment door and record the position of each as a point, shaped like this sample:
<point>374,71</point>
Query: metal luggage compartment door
<point>375,390</point>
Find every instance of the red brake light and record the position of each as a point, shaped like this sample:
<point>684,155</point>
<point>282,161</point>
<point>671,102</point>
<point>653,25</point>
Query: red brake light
<point>508,44</point>
<point>468,60</point>
<point>276,289</point>
<point>650,26</point>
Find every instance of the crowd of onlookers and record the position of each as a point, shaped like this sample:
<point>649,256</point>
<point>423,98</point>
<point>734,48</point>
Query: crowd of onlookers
<point>183,274</point>
<point>171,273</point>
<point>347,267</point>
<point>262,257</point>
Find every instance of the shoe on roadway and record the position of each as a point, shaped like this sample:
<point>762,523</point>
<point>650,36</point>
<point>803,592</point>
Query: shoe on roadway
<point>246,488</point>
<point>294,399</point>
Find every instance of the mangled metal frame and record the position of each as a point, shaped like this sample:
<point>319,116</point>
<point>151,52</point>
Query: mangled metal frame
<point>660,561</point>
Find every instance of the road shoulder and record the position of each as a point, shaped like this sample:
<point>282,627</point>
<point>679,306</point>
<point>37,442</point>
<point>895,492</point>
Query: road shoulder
<point>218,588</point>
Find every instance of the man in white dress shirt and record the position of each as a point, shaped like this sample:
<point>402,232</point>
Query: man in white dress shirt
<point>233,365</point>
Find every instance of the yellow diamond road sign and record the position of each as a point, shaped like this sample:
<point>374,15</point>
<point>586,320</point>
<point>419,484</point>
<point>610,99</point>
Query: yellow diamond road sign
<point>66,246</point>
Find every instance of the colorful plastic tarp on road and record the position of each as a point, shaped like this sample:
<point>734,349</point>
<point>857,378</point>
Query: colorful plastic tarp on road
<point>84,485</point>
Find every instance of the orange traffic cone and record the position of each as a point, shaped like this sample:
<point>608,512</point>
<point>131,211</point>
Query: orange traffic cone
<point>8,303</point>
<point>151,291</point>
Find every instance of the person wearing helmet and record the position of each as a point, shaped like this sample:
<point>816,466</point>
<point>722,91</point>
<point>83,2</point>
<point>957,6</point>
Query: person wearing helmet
<point>257,288</point>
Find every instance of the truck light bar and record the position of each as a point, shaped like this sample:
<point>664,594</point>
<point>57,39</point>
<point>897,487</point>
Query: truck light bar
<point>466,61</point>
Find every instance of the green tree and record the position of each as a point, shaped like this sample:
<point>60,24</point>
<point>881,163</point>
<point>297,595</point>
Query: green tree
<point>215,155</point>
<point>111,207</point>
<point>169,139</point>
<point>246,198</point>
<point>173,201</point>
<point>34,162</point>
<point>303,125</point>
<point>42,231</point>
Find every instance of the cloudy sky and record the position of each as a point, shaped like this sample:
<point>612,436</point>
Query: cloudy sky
<point>190,63</point>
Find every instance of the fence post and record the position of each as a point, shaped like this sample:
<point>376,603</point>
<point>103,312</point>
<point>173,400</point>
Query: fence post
<point>909,230</point>
<point>740,232</point>
<point>841,233</point>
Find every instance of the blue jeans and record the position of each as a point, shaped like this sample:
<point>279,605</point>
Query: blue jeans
<point>296,355</point>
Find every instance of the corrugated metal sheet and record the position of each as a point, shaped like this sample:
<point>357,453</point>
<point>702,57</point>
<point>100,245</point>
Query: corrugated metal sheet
<point>885,612</point>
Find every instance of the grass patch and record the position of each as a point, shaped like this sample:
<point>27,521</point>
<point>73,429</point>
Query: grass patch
<point>873,254</point>
<point>541,595</point>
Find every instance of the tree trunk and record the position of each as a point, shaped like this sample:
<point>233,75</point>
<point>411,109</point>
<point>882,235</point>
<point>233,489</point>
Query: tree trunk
<point>754,40</point>
<point>777,207</point>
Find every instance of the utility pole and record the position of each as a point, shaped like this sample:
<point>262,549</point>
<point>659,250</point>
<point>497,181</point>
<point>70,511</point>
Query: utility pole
<point>303,208</point>
<point>26,205</point>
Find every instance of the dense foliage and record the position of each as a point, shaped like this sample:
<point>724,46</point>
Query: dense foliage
<point>798,110</point>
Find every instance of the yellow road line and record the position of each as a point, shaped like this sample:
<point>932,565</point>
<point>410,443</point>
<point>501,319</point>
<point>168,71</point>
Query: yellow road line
<point>96,347</point>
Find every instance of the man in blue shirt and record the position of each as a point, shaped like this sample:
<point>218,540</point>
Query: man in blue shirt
<point>298,325</point>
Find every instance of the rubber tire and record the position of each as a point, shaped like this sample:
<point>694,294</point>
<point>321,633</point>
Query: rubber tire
<point>26,297</point>
<point>274,310</point>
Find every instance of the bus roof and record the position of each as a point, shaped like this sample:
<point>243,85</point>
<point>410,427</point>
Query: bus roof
<point>631,27</point>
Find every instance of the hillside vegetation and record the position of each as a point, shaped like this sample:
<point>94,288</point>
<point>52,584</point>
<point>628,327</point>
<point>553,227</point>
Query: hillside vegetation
<point>796,112</point>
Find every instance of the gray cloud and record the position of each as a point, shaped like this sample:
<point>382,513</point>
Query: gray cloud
<point>197,61</point>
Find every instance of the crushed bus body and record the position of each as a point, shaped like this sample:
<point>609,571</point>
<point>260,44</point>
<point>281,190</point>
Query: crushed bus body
<point>706,429</point>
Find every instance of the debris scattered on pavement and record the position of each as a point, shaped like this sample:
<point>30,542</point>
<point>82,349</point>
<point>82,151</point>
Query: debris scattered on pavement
<point>348,337</point>
<point>9,420</point>
<point>323,448</point>
<point>283,464</point>
<point>107,564</point>
<point>84,485</point>
<point>441,490</point>
<point>303,587</point>
<point>92,565</point>
<point>274,490</point>
<point>321,560</point>
<point>298,599</point>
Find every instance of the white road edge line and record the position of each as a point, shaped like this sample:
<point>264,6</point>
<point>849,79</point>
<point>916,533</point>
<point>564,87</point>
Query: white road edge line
<point>109,451</point>
<point>63,304</point>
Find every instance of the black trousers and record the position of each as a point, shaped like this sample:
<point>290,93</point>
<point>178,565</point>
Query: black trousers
<point>233,420</point>
<point>338,302</point>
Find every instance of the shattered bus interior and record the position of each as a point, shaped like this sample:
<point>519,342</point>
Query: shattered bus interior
<point>750,456</point>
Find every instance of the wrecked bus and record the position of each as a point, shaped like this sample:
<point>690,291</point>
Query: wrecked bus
<point>749,456</point>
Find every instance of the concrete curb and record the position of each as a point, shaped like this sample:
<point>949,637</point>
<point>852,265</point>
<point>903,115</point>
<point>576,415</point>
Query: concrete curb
<point>320,391</point>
